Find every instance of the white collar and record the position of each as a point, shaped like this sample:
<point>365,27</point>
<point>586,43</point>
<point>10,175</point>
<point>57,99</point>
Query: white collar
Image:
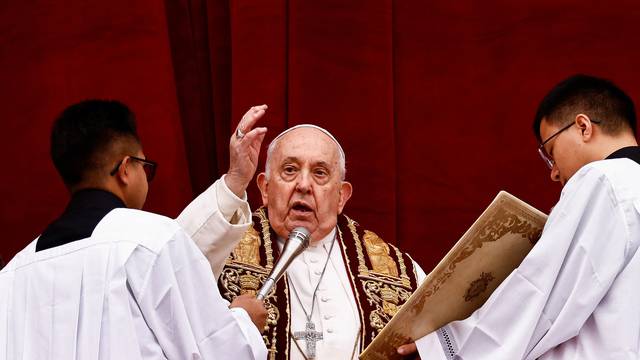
<point>325,240</point>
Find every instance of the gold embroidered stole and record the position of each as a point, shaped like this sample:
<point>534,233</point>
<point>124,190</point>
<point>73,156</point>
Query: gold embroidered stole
<point>381,278</point>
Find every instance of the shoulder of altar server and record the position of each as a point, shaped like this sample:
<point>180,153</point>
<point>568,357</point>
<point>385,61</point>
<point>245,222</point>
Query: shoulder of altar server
<point>149,230</point>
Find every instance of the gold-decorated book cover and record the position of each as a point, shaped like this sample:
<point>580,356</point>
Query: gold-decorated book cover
<point>494,245</point>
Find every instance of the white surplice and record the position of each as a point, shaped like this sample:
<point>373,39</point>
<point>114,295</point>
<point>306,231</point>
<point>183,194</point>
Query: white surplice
<point>138,288</point>
<point>335,312</point>
<point>577,294</point>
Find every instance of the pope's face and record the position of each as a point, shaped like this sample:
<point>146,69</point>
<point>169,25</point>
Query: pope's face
<point>304,187</point>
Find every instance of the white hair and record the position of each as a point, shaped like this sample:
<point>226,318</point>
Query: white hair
<point>341,157</point>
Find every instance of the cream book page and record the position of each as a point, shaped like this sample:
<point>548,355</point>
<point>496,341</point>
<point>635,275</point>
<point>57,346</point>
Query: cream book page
<point>487,253</point>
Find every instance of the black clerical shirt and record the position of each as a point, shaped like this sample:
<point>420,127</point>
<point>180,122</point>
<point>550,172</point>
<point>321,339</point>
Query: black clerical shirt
<point>83,213</point>
<point>630,152</point>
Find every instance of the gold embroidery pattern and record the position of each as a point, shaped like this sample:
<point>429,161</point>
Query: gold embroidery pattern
<point>351,225</point>
<point>288,309</point>
<point>386,299</point>
<point>230,280</point>
<point>248,249</point>
<point>385,290</point>
<point>378,252</point>
<point>362,268</point>
<point>236,280</point>
<point>243,274</point>
<point>507,223</point>
<point>403,268</point>
<point>273,315</point>
<point>266,234</point>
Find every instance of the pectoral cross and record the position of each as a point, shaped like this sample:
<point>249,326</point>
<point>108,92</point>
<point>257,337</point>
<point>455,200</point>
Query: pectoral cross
<point>310,337</point>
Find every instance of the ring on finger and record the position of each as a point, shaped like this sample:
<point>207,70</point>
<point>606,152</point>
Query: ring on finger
<point>239,134</point>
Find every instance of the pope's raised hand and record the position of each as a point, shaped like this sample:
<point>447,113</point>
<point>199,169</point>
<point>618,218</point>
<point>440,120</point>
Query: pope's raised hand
<point>244,148</point>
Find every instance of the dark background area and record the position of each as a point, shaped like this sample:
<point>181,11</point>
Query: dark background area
<point>431,100</point>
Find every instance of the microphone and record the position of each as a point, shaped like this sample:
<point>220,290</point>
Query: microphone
<point>296,243</point>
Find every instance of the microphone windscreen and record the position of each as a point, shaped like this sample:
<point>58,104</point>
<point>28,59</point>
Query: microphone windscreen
<point>297,241</point>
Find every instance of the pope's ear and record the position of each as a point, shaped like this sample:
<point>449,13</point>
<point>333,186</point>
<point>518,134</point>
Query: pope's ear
<point>263,184</point>
<point>345,194</point>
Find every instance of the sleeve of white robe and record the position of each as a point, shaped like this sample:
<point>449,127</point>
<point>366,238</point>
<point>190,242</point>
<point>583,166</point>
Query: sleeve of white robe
<point>548,298</point>
<point>420,274</point>
<point>216,221</point>
<point>181,304</point>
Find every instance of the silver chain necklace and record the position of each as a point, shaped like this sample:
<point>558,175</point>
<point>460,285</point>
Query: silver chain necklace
<point>310,335</point>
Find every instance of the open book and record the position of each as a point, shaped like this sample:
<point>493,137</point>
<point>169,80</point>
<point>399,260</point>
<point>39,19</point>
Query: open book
<point>495,245</point>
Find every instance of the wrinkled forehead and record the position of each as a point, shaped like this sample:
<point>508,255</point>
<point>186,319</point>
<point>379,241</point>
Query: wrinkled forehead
<point>307,143</point>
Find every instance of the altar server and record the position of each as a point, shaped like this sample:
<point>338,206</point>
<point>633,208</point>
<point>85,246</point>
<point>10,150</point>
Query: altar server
<point>575,296</point>
<point>109,281</point>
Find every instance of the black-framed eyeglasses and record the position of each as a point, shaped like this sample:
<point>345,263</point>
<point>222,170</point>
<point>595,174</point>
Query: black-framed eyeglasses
<point>148,166</point>
<point>546,157</point>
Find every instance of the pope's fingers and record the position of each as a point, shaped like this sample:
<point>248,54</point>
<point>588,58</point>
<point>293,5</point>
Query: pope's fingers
<point>254,134</point>
<point>250,117</point>
<point>247,140</point>
<point>259,107</point>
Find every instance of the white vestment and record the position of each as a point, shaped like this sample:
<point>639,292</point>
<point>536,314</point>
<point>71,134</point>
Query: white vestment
<point>335,312</point>
<point>576,295</point>
<point>138,288</point>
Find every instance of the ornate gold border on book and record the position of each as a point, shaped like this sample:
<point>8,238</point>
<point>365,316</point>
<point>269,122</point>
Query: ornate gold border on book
<point>501,222</point>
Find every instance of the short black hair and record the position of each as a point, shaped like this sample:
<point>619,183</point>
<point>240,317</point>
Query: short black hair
<point>598,98</point>
<point>84,131</point>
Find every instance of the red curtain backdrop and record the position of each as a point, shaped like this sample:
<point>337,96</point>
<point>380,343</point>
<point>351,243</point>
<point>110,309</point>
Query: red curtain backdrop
<point>431,100</point>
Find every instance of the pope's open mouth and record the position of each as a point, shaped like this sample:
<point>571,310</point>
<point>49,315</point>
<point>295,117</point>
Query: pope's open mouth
<point>301,208</point>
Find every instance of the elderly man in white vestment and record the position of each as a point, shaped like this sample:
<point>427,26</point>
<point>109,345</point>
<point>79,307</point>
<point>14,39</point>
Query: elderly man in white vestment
<point>339,293</point>
<point>575,296</point>
<point>108,281</point>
